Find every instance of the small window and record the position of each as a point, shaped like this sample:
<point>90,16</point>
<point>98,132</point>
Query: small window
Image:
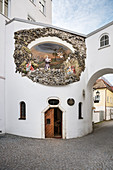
<point>22,110</point>
<point>71,101</point>
<point>4,7</point>
<point>108,99</point>
<point>80,110</point>
<point>53,101</point>
<point>104,40</point>
<point>42,6</point>
<point>48,121</point>
<point>1,6</point>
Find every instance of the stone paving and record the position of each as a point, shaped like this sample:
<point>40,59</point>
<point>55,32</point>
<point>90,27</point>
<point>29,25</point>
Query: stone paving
<point>92,152</point>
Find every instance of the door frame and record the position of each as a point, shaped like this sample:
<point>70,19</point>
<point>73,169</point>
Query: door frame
<point>63,120</point>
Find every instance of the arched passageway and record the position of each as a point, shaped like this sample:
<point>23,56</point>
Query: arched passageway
<point>92,80</point>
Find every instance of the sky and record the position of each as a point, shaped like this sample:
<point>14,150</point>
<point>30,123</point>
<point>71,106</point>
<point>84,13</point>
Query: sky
<point>82,16</point>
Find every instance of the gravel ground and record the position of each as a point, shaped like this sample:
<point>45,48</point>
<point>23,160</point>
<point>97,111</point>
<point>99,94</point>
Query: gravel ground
<point>92,152</point>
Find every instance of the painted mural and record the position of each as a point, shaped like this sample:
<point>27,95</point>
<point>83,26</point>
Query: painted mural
<point>50,55</point>
<point>48,63</point>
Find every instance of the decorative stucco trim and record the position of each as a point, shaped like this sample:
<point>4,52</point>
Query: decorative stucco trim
<point>48,39</point>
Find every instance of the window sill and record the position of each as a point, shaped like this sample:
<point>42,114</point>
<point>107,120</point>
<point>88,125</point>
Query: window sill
<point>80,118</point>
<point>22,118</point>
<point>103,47</point>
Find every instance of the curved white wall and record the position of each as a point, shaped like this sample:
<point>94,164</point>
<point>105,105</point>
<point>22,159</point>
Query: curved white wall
<point>18,88</point>
<point>35,95</point>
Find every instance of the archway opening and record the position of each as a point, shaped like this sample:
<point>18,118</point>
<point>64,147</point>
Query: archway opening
<point>100,96</point>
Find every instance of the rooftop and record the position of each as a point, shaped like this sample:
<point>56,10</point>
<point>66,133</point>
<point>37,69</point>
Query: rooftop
<point>103,83</point>
<point>45,25</point>
<point>66,30</point>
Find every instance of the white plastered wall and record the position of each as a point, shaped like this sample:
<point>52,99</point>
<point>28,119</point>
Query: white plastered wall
<point>35,96</point>
<point>32,9</point>
<point>99,62</point>
<point>2,106</point>
<point>3,20</point>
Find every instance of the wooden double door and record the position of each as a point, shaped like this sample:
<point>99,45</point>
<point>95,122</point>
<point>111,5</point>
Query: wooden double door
<point>53,123</point>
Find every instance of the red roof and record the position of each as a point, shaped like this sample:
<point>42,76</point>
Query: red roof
<point>100,83</point>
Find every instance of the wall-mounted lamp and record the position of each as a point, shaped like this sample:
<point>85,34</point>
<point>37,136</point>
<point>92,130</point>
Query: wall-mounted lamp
<point>97,97</point>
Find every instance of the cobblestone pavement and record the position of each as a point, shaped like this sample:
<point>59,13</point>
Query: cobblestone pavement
<point>92,152</point>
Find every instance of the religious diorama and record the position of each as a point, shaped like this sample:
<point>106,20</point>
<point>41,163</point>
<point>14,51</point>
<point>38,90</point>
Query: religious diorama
<point>49,63</point>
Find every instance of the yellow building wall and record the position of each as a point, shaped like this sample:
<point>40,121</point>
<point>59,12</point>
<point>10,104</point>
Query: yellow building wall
<point>109,98</point>
<point>105,104</point>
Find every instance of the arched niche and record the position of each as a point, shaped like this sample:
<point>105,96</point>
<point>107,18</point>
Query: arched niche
<point>51,40</point>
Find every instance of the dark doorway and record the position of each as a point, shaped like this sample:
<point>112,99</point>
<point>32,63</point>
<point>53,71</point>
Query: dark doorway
<point>53,123</point>
<point>57,123</point>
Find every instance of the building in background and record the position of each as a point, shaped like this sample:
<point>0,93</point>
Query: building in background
<point>103,100</point>
<point>33,10</point>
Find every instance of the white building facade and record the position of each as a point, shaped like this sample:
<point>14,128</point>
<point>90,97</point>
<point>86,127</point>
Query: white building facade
<point>49,99</point>
<point>33,10</point>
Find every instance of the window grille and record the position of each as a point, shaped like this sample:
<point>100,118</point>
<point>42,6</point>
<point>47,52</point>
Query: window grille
<point>104,40</point>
